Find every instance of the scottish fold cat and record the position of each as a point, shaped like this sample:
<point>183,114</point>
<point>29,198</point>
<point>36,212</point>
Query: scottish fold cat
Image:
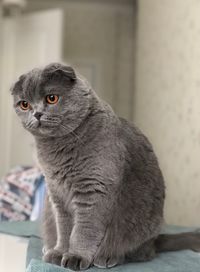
<point>105,190</point>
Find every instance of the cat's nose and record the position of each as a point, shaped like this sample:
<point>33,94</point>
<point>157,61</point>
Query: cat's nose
<point>37,115</point>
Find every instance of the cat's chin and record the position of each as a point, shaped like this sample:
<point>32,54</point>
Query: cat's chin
<point>44,132</point>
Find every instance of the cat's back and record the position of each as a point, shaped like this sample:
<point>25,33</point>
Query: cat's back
<point>142,172</point>
<point>132,135</point>
<point>137,146</point>
<point>138,213</point>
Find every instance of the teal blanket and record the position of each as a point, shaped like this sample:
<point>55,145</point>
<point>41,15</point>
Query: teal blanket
<point>180,261</point>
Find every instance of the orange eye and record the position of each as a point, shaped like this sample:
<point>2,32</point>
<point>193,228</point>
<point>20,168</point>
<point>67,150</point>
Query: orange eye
<point>52,98</point>
<point>24,105</point>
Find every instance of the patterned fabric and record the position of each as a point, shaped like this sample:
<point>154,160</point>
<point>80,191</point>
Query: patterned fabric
<point>17,193</point>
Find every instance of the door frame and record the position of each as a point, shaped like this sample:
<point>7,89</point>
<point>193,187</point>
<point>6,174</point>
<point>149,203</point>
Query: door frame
<point>7,64</point>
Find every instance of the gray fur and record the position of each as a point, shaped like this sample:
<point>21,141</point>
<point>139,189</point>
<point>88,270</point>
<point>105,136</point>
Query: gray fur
<point>105,188</point>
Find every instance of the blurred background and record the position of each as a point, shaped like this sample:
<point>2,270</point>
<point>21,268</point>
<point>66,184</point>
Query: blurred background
<point>143,57</point>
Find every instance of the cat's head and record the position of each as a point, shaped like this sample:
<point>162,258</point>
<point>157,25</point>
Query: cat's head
<point>52,101</point>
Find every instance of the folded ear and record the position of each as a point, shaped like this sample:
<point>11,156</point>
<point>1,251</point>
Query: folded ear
<point>17,86</point>
<point>58,69</point>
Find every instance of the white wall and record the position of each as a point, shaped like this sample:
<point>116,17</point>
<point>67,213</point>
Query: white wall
<point>20,33</point>
<point>99,39</point>
<point>167,98</point>
<point>1,41</point>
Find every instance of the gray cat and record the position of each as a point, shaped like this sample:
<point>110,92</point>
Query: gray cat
<point>105,190</point>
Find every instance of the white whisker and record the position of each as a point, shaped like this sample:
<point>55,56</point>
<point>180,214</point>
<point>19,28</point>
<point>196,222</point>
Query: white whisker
<point>69,129</point>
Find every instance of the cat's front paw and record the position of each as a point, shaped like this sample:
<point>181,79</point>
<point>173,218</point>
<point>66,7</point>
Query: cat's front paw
<point>75,262</point>
<point>52,256</point>
<point>102,262</point>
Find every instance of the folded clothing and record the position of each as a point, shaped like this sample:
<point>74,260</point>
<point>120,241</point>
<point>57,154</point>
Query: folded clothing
<point>17,193</point>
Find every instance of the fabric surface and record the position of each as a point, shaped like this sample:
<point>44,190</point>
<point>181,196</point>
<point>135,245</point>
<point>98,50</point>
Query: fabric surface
<point>23,229</point>
<point>34,250</point>
<point>180,261</point>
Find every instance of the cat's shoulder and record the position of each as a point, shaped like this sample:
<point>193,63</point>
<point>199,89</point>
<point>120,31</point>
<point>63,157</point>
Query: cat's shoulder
<point>132,136</point>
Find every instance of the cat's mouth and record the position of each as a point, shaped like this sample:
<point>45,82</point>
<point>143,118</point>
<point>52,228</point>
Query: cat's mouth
<point>46,126</point>
<point>42,127</point>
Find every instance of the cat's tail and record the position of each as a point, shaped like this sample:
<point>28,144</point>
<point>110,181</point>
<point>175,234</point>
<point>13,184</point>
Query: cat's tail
<point>180,241</point>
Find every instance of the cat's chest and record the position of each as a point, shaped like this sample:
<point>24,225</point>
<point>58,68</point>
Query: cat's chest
<point>57,163</point>
<point>58,178</point>
<point>59,170</point>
